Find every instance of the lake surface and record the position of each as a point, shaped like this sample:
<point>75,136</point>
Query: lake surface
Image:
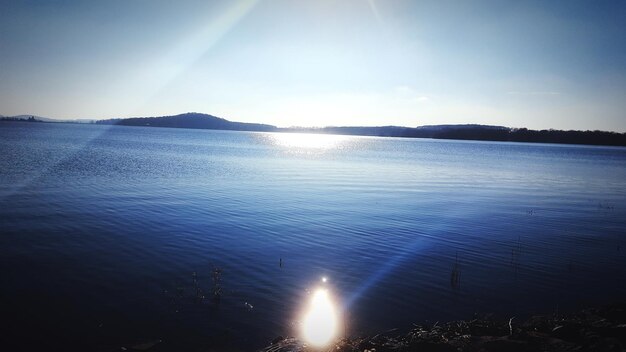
<point>111,235</point>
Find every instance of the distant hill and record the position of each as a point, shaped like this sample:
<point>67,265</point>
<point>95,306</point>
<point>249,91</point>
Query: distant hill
<point>479,132</point>
<point>462,132</point>
<point>190,120</point>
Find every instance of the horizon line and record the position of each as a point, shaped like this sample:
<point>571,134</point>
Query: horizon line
<point>85,119</point>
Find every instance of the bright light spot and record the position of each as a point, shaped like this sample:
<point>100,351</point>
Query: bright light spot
<point>324,279</point>
<point>320,322</point>
<point>308,140</point>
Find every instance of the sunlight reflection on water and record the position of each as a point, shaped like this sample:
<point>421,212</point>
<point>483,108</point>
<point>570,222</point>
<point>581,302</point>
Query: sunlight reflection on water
<point>308,140</point>
<point>320,321</point>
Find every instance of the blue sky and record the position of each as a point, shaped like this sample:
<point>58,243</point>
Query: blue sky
<point>536,64</point>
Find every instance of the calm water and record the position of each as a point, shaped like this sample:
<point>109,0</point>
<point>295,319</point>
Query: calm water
<point>103,227</point>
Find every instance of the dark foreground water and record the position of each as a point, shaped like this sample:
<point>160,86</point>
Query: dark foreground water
<point>103,227</point>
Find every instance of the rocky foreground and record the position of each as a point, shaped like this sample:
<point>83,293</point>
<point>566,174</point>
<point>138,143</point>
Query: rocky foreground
<point>598,329</point>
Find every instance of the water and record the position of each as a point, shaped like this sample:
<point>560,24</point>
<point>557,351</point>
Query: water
<point>103,228</point>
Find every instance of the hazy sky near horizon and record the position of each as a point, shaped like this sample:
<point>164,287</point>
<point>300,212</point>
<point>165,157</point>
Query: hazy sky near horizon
<point>535,63</point>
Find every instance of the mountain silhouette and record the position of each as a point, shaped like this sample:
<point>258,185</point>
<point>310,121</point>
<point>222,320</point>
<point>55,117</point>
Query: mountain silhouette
<point>189,120</point>
<point>459,132</point>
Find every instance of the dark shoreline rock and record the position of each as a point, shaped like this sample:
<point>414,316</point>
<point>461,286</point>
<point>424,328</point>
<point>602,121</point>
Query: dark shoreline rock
<point>595,329</point>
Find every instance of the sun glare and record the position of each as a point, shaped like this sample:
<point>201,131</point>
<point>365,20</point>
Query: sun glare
<point>308,140</point>
<point>320,322</point>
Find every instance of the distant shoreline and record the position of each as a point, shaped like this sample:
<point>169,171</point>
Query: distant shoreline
<point>470,132</point>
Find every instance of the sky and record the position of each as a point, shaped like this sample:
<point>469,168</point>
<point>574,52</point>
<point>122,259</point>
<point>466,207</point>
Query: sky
<point>535,64</point>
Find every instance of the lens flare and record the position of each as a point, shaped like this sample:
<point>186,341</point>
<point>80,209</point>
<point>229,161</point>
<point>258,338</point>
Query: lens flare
<point>320,322</point>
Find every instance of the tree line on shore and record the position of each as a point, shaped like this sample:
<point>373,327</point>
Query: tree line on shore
<point>459,132</point>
